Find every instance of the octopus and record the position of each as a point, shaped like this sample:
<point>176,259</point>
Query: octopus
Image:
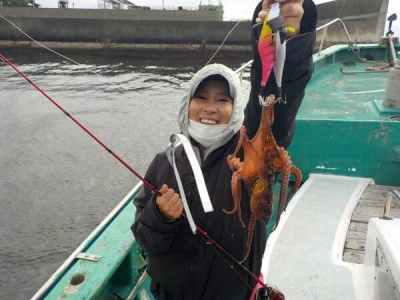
<point>262,162</point>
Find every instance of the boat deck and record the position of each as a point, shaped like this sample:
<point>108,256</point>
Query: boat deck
<point>312,232</point>
<point>345,88</point>
<point>343,128</point>
<point>371,204</point>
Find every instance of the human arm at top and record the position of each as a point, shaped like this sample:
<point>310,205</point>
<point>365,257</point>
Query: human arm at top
<point>292,12</point>
<point>297,70</point>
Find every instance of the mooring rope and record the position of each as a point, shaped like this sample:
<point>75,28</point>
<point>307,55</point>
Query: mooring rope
<point>59,54</point>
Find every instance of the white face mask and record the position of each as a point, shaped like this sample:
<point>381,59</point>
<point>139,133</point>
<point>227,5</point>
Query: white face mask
<point>205,135</point>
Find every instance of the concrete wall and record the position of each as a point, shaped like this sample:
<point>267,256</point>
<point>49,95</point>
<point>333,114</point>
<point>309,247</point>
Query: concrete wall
<point>111,14</point>
<point>116,26</point>
<point>364,19</point>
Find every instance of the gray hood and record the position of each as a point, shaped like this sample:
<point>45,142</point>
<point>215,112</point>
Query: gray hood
<point>236,93</point>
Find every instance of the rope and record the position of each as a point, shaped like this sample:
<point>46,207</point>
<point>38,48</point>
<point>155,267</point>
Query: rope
<point>229,33</point>
<point>59,54</point>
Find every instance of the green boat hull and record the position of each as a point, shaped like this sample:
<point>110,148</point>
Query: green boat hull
<point>112,268</point>
<point>342,128</point>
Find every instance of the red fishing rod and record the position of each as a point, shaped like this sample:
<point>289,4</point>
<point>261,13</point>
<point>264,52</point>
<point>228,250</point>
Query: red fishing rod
<point>272,293</point>
<point>79,124</point>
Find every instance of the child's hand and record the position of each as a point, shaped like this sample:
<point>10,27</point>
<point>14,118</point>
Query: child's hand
<point>291,10</point>
<point>169,203</point>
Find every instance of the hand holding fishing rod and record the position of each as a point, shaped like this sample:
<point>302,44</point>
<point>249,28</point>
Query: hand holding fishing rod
<point>169,203</point>
<point>179,261</point>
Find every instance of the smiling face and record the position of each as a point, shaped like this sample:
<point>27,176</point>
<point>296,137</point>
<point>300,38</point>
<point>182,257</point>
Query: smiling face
<point>211,104</point>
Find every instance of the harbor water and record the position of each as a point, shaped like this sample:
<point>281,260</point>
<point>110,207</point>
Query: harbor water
<point>56,183</point>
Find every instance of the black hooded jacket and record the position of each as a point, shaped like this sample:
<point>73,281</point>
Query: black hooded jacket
<point>182,265</point>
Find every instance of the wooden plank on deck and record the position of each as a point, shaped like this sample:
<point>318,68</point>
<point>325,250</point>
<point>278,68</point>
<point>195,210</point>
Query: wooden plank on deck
<point>370,205</point>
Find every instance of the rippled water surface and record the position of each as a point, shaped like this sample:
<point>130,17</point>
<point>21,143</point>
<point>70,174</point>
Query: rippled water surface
<point>56,183</point>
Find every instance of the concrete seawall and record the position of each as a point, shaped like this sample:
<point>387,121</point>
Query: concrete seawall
<point>110,14</point>
<point>364,19</point>
<point>184,31</point>
<point>119,29</point>
<point>126,31</point>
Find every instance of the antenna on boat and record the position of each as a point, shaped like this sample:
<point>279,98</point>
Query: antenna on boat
<point>392,93</point>
<point>389,34</point>
<point>391,18</point>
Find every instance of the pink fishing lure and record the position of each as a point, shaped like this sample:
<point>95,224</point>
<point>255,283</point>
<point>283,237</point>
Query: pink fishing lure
<point>272,49</point>
<point>266,49</point>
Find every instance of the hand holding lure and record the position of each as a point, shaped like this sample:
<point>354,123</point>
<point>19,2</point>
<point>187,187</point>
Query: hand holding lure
<point>272,49</point>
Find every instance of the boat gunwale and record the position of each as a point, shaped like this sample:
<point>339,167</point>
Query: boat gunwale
<point>336,48</point>
<point>94,235</point>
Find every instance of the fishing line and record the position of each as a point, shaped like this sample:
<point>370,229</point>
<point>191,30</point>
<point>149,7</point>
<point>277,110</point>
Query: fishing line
<point>98,74</point>
<point>223,42</point>
<point>231,267</point>
<point>63,56</point>
<point>216,246</point>
<point>77,63</point>
<point>3,58</point>
<point>229,33</point>
<point>272,292</point>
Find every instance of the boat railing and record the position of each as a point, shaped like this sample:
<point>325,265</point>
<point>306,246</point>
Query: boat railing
<point>325,30</point>
<point>393,194</point>
<point>241,70</point>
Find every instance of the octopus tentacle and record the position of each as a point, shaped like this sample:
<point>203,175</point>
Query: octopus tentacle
<point>284,167</point>
<point>262,159</point>
<point>297,174</point>
<point>250,232</point>
<point>237,195</point>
